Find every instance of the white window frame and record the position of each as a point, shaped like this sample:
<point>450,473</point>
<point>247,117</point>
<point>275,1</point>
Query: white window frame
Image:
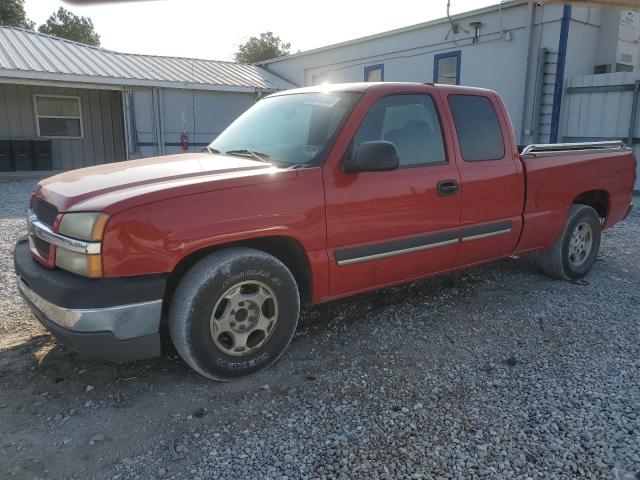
<point>38,117</point>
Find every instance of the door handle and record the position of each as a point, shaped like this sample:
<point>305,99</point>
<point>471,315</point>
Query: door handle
<point>447,188</point>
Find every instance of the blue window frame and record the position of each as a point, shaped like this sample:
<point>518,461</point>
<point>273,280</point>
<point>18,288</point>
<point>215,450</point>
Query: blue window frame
<point>446,67</point>
<point>371,72</point>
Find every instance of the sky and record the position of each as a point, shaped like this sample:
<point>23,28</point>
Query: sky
<point>213,29</point>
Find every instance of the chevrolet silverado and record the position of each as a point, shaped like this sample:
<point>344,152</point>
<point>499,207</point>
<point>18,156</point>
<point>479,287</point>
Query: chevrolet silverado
<point>311,195</point>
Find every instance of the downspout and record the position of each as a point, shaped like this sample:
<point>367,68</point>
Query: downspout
<point>559,83</point>
<point>161,120</point>
<point>158,119</point>
<point>527,69</point>
<point>125,123</point>
<point>534,121</point>
<point>634,114</point>
<point>156,122</point>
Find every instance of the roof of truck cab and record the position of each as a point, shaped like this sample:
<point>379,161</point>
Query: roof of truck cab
<point>361,87</point>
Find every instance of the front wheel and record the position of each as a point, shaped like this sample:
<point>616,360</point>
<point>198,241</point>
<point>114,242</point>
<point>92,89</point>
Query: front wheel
<point>234,313</point>
<point>573,255</point>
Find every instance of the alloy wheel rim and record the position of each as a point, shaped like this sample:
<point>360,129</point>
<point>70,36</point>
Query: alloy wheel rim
<point>243,318</point>
<point>580,244</point>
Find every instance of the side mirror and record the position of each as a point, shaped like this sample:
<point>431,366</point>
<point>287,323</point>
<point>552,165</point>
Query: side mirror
<point>375,156</point>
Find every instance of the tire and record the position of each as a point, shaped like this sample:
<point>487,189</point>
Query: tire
<point>575,252</point>
<point>234,313</point>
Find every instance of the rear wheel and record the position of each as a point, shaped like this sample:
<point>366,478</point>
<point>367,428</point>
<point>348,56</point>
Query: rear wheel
<point>234,313</point>
<point>576,250</point>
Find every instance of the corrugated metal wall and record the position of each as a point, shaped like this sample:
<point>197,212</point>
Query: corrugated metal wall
<point>598,107</point>
<point>102,120</point>
<point>203,115</point>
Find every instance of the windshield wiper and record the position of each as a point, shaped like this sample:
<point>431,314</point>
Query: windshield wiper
<point>245,152</point>
<point>212,151</point>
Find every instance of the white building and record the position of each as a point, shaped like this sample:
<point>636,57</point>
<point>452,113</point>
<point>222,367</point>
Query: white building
<point>523,50</point>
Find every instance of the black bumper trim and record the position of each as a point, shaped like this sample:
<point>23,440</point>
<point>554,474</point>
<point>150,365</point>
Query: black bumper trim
<point>73,291</point>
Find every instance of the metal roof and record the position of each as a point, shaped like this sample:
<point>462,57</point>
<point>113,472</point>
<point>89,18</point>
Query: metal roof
<point>31,55</point>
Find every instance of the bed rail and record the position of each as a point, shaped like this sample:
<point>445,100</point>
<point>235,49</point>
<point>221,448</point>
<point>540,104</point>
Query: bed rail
<point>548,149</point>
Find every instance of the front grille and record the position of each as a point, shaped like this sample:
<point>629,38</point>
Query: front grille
<point>44,211</point>
<point>43,248</point>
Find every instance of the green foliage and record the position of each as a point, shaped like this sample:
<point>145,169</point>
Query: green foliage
<point>65,24</point>
<point>262,48</point>
<point>12,14</point>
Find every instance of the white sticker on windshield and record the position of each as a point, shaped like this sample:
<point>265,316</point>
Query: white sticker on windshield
<point>327,101</point>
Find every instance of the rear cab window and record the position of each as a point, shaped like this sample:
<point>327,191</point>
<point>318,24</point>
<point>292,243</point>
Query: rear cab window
<point>478,128</point>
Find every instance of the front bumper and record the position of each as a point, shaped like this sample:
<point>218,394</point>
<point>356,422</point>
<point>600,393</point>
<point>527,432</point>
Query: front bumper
<point>109,319</point>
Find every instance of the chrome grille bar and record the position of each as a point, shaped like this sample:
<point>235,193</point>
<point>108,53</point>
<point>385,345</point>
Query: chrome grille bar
<point>43,232</point>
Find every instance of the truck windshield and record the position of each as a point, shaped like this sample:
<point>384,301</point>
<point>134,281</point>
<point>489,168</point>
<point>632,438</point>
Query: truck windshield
<point>287,130</point>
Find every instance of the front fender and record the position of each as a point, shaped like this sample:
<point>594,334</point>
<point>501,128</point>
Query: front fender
<point>155,237</point>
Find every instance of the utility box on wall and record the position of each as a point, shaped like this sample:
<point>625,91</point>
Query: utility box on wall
<point>5,156</point>
<point>618,43</point>
<point>25,155</point>
<point>22,154</point>
<point>42,154</point>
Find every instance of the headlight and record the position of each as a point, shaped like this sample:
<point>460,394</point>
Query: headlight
<point>87,226</point>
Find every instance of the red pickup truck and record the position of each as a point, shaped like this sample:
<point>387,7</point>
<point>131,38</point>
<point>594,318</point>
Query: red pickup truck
<point>311,195</point>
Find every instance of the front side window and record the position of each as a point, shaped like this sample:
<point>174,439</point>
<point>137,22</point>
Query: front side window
<point>374,73</point>
<point>58,116</point>
<point>411,123</point>
<point>446,68</point>
<point>291,129</point>
<point>478,128</point>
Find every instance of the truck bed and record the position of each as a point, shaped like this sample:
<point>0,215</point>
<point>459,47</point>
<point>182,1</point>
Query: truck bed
<point>558,174</point>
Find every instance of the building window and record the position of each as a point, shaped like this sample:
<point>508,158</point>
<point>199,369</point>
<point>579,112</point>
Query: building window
<point>58,116</point>
<point>446,68</point>
<point>621,67</point>
<point>374,73</point>
<point>318,79</point>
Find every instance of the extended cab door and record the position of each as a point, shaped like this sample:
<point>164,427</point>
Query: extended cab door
<point>386,227</point>
<point>492,182</point>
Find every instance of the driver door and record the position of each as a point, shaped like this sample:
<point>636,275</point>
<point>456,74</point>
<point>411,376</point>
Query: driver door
<point>389,227</point>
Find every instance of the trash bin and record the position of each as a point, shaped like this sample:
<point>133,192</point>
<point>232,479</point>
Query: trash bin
<point>5,156</point>
<point>22,154</point>
<point>42,154</point>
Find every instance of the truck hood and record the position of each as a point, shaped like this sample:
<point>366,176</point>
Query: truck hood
<point>105,187</point>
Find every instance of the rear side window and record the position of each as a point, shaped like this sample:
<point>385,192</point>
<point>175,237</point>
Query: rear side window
<point>478,128</point>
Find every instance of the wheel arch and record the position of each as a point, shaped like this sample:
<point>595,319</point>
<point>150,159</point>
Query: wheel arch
<point>286,249</point>
<point>599,200</point>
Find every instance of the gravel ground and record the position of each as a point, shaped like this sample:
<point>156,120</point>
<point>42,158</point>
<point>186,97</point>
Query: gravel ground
<point>494,372</point>
<point>14,198</point>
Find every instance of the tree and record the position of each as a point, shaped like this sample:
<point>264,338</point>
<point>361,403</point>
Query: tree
<point>263,48</point>
<point>12,14</point>
<point>65,24</point>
